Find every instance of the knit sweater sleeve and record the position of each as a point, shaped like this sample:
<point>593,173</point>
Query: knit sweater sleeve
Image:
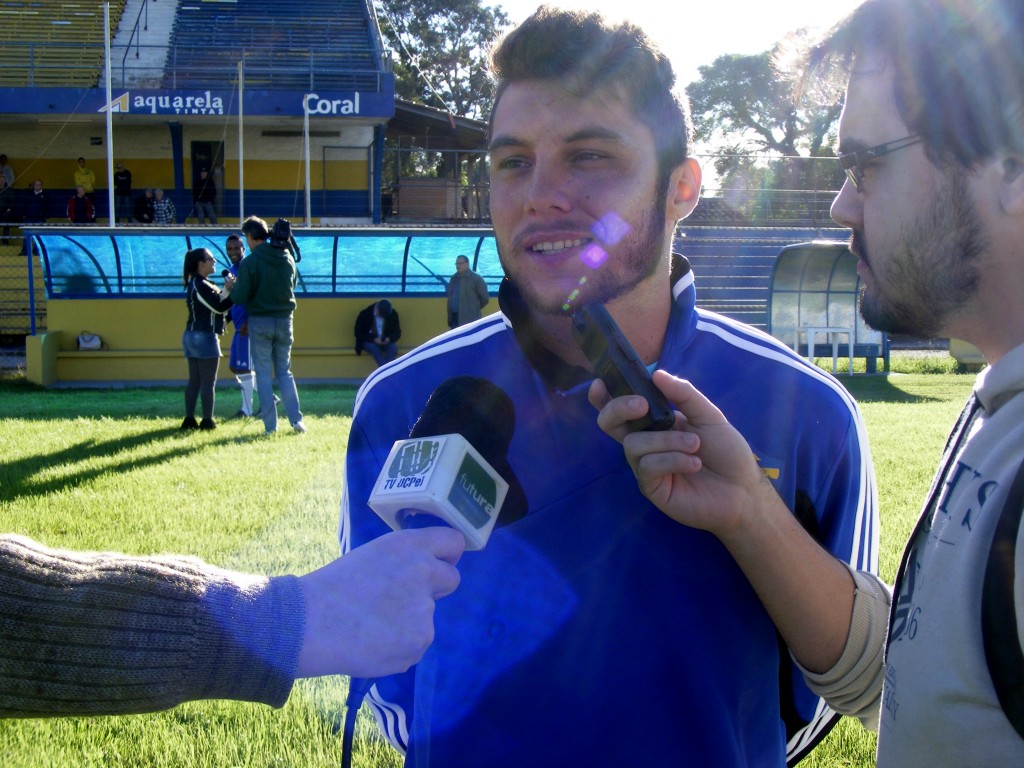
<point>103,633</point>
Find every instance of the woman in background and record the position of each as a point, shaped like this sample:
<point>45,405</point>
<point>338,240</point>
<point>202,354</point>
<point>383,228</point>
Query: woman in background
<point>207,306</point>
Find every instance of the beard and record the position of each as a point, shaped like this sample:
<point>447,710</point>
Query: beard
<point>638,255</point>
<point>930,272</point>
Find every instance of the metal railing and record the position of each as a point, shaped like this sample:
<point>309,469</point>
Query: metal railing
<point>453,185</point>
<point>71,65</point>
<point>136,34</point>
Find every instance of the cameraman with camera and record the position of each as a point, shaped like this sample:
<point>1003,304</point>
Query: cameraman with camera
<point>266,286</point>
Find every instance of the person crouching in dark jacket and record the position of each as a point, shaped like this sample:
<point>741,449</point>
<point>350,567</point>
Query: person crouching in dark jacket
<point>377,331</point>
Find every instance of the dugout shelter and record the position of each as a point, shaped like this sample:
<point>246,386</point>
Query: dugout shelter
<point>812,305</point>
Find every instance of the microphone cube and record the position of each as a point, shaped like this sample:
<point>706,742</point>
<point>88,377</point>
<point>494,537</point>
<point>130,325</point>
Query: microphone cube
<point>442,476</point>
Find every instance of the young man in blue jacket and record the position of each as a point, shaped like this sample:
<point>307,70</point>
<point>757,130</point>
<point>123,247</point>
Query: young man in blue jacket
<point>598,628</point>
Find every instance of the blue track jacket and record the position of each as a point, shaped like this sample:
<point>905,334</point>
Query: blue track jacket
<point>596,631</point>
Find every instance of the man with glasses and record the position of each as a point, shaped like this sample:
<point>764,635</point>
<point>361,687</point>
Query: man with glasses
<point>932,142</point>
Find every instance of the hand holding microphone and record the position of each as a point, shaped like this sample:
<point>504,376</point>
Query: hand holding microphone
<point>370,613</point>
<point>452,473</point>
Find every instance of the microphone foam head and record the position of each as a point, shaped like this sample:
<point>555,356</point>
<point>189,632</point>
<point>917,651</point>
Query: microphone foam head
<point>473,407</point>
<point>440,477</point>
<point>484,414</point>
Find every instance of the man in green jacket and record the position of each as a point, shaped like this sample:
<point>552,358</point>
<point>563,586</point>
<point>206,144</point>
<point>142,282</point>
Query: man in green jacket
<point>266,286</point>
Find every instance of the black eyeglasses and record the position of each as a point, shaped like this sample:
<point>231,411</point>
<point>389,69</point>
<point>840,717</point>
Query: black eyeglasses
<point>854,162</point>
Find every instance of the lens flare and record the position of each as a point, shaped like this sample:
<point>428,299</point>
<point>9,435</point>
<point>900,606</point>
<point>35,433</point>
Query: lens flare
<point>593,255</point>
<point>573,295</point>
<point>610,228</point>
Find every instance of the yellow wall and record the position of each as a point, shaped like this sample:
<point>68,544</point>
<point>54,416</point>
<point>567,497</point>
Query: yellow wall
<point>49,152</point>
<point>286,174</point>
<point>142,338</point>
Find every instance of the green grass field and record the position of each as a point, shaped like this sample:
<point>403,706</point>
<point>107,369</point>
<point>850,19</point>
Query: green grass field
<point>108,469</point>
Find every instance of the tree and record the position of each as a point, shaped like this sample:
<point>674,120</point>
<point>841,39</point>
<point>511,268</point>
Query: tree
<point>766,124</point>
<point>752,102</point>
<point>440,49</point>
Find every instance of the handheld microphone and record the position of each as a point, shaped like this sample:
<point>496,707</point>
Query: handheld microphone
<point>453,469</point>
<point>225,272</point>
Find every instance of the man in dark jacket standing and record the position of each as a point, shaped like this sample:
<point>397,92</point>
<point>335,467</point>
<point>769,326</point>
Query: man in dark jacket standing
<point>204,193</point>
<point>123,193</point>
<point>266,286</point>
<point>144,207</point>
<point>467,294</point>
<point>35,204</point>
<point>35,211</point>
<point>377,331</point>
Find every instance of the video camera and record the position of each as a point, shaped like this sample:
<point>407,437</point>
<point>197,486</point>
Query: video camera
<point>281,234</point>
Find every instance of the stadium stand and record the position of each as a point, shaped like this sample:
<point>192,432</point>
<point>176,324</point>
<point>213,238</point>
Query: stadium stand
<point>49,43</point>
<point>288,44</point>
<point>734,265</point>
<point>303,47</point>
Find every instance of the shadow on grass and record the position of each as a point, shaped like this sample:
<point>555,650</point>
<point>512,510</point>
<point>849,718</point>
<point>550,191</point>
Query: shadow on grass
<point>18,478</point>
<point>913,388</point>
<point>22,400</point>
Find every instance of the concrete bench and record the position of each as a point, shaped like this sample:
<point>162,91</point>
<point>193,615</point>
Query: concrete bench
<point>50,363</point>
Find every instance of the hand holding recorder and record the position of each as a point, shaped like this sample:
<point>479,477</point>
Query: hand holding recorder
<point>701,472</point>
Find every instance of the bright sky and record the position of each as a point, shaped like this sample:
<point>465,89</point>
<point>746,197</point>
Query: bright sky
<point>696,32</point>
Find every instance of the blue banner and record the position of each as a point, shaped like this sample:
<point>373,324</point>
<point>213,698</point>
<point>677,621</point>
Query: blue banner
<point>178,103</point>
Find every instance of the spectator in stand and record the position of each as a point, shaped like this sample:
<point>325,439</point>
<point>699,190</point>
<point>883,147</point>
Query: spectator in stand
<point>123,193</point>
<point>6,171</point>
<point>80,208</point>
<point>204,193</point>
<point>163,208</point>
<point>34,210</point>
<point>7,216</point>
<point>144,207</point>
<point>84,177</point>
